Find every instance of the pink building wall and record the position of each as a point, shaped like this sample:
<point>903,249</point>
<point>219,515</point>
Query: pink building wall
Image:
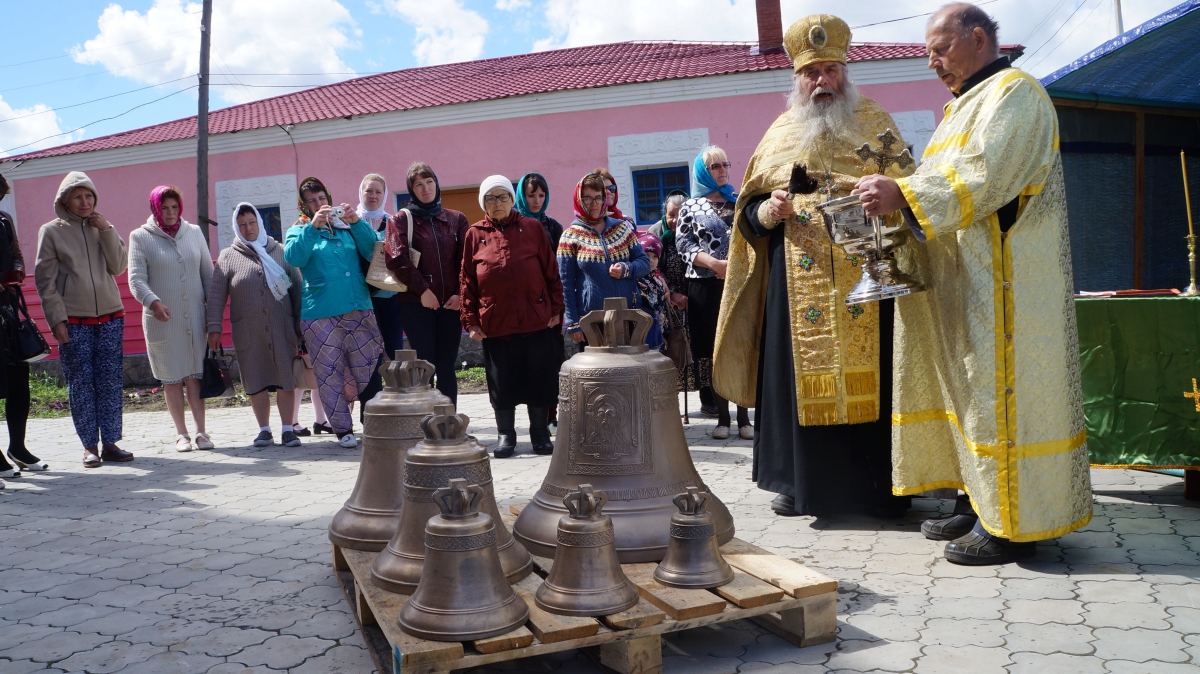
<point>562,146</point>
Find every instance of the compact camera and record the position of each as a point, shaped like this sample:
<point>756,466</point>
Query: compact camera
<point>339,212</point>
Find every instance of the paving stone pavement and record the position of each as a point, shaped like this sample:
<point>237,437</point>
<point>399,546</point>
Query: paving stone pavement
<point>218,562</point>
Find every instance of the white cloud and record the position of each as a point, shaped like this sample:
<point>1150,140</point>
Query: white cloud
<point>36,123</point>
<point>511,5</point>
<point>446,31</point>
<point>263,36</point>
<point>574,23</point>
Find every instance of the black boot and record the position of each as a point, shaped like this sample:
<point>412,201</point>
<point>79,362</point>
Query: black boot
<point>979,548</point>
<point>784,506</point>
<point>506,429</point>
<point>539,430</point>
<point>955,525</point>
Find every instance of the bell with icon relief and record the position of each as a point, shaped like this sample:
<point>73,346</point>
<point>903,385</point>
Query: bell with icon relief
<point>391,426</point>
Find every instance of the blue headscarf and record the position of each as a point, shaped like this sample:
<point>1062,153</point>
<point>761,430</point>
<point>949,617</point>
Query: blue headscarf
<point>703,182</point>
<point>522,206</point>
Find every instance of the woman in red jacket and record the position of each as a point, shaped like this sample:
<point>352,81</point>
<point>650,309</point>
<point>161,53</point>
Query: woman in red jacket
<point>512,300</point>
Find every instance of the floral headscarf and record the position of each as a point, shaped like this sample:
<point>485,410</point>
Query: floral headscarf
<point>581,212</point>
<point>311,184</point>
<point>156,199</point>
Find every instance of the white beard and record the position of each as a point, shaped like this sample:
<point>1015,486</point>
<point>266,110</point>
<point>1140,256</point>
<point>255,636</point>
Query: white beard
<point>823,120</point>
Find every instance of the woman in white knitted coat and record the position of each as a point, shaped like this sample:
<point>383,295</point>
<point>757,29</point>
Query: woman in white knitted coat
<point>169,271</point>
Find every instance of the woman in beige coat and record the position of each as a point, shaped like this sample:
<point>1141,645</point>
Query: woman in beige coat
<point>169,272</point>
<point>264,310</point>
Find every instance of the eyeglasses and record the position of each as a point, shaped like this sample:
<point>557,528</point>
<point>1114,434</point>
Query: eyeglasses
<point>719,165</point>
<point>611,188</point>
<point>501,199</point>
<point>591,200</point>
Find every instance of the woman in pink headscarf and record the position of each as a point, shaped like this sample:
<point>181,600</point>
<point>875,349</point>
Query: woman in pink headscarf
<point>169,272</point>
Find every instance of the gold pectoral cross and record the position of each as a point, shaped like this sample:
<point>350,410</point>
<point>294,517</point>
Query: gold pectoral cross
<point>1194,394</point>
<point>884,156</point>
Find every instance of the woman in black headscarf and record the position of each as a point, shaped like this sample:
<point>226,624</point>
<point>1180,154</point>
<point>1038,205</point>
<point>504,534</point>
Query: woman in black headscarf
<point>429,308</point>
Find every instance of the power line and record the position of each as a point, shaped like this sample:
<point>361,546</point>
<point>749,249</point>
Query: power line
<point>1057,30</point>
<point>94,100</point>
<point>1068,37</point>
<point>95,72</point>
<point>86,51</point>
<point>106,119</point>
<point>1043,22</point>
<point>914,16</point>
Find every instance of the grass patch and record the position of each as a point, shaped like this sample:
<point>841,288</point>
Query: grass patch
<point>471,380</point>
<point>47,400</point>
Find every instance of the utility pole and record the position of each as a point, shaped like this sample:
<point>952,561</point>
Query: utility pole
<point>202,123</point>
<point>1120,23</point>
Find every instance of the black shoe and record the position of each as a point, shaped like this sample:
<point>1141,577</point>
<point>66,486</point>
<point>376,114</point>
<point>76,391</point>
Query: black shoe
<point>710,410</point>
<point>953,526</point>
<point>301,432</point>
<point>784,506</point>
<point>506,427</point>
<point>322,428</point>
<point>539,431</point>
<point>891,507</point>
<point>289,439</point>
<point>979,548</point>
<point>114,453</point>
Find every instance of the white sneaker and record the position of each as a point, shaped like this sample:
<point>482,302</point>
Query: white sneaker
<point>183,443</point>
<point>348,441</point>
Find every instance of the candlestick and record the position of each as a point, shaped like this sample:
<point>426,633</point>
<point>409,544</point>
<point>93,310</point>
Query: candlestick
<point>1191,291</point>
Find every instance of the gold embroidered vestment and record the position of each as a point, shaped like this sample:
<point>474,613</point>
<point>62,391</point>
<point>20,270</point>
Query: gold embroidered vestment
<point>835,347</point>
<point>987,393</point>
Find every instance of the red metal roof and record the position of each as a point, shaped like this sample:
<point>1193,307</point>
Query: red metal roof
<point>486,79</point>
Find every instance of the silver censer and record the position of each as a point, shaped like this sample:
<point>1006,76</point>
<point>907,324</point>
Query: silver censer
<point>872,239</point>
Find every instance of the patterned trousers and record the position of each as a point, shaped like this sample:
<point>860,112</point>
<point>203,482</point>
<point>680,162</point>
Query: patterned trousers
<point>91,364</point>
<point>344,350</point>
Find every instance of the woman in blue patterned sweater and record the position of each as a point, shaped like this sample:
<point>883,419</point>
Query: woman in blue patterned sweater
<point>598,257</point>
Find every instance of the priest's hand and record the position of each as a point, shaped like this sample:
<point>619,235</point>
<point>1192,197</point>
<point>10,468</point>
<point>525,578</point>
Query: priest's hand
<point>879,195</point>
<point>780,206</point>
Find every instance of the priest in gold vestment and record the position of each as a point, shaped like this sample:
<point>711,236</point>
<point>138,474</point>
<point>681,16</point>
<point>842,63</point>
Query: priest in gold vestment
<point>987,392</point>
<point>817,371</point>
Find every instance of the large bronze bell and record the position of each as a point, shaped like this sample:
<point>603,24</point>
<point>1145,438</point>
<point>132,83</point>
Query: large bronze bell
<point>693,559</point>
<point>619,429</point>
<point>462,594</point>
<point>445,454</point>
<point>391,426</point>
<point>586,579</point>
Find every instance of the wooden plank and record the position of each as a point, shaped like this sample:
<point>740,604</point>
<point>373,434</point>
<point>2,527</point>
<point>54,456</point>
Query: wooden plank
<point>814,622</point>
<point>385,606</point>
<point>747,591</point>
<point>516,509</point>
<point>339,560</point>
<point>796,579</point>
<point>362,610</point>
<point>636,656</point>
<point>677,603</point>
<point>518,638</point>
<point>642,615</point>
<point>548,627</point>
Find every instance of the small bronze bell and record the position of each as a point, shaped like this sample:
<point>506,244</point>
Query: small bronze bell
<point>391,426</point>
<point>693,560</point>
<point>586,579</point>
<point>445,454</point>
<point>619,430</point>
<point>462,594</point>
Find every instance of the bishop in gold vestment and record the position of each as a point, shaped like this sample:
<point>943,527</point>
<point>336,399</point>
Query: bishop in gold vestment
<point>987,392</point>
<point>787,344</point>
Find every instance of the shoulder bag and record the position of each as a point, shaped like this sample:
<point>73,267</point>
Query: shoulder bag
<point>28,343</point>
<point>216,382</point>
<point>378,275</point>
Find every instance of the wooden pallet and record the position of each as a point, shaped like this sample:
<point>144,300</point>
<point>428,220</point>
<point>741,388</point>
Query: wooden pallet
<point>783,596</point>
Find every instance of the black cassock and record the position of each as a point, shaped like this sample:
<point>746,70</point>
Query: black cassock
<point>828,470</point>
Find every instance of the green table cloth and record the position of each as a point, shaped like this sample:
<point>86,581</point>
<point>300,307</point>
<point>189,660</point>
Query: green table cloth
<point>1139,357</point>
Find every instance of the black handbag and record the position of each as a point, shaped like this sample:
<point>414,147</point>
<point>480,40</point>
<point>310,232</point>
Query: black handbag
<point>217,382</point>
<point>28,344</point>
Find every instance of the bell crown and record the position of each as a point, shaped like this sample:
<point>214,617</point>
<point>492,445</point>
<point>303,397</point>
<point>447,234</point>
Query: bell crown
<point>405,372</point>
<point>585,503</point>
<point>692,501</point>
<point>444,426</point>
<point>458,500</point>
<point>616,325</point>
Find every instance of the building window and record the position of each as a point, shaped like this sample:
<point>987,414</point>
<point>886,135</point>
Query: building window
<point>652,187</point>
<point>403,200</point>
<point>271,220</point>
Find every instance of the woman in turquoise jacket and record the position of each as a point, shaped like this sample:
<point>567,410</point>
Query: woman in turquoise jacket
<point>335,307</point>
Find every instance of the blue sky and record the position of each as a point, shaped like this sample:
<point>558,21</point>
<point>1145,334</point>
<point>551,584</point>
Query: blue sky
<point>134,52</point>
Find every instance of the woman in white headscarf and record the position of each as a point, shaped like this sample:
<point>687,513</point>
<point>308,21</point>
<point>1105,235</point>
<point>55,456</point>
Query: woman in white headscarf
<point>264,310</point>
<point>373,198</point>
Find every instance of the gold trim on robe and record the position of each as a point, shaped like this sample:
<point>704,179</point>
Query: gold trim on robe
<point>835,347</point>
<point>987,392</point>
